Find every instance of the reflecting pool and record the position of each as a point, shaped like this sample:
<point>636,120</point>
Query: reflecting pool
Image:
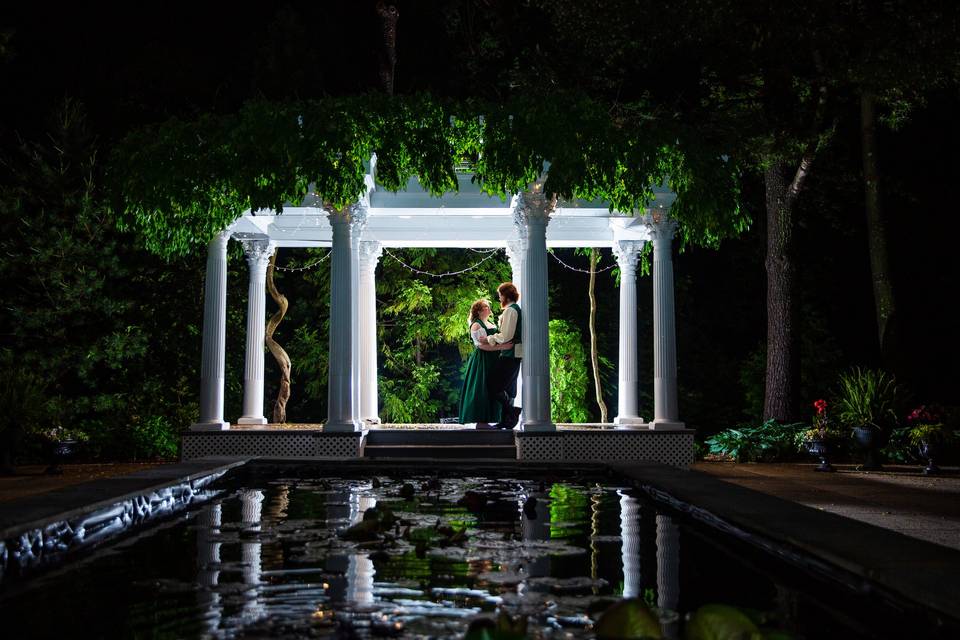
<point>418,556</point>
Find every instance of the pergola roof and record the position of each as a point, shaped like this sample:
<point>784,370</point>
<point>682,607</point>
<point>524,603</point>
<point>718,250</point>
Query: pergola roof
<point>467,218</point>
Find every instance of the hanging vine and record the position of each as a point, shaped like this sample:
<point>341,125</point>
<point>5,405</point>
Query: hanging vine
<point>179,183</point>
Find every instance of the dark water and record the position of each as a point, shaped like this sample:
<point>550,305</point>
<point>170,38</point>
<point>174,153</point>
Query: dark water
<point>272,560</point>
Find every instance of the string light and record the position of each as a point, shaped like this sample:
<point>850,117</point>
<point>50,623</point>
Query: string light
<point>607,268</point>
<point>305,267</point>
<point>386,251</point>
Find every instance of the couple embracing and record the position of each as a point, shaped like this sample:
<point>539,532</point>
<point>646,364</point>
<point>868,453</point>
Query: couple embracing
<point>490,383</point>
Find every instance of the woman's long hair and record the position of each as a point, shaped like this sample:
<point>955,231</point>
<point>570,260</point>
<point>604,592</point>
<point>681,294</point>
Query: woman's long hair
<point>475,309</point>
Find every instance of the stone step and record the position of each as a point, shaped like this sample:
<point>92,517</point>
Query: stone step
<point>440,451</point>
<point>446,437</point>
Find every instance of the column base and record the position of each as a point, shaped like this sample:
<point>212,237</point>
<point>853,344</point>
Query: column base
<point>252,420</point>
<point>369,421</point>
<point>666,425</point>
<point>630,422</point>
<point>218,425</point>
<point>537,426</point>
<point>342,427</point>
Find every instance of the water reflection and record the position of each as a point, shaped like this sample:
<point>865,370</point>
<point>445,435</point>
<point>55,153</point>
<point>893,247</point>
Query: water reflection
<point>459,548</point>
<point>668,572</point>
<point>208,564</point>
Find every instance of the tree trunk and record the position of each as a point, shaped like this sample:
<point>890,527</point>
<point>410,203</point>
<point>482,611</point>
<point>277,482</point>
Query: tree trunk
<point>883,297</point>
<point>780,392</point>
<point>283,360</point>
<point>388,49</point>
<point>594,357</point>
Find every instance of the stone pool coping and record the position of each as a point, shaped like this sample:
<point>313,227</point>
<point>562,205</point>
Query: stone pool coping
<point>75,501</point>
<point>919,572</point>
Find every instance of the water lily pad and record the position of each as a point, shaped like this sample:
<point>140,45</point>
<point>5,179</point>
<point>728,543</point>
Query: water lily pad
<point>720,622</point>
<point>626,620</point>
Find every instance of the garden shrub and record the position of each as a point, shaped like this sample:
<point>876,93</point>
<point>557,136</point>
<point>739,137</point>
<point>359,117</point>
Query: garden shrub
<point>767,442</point>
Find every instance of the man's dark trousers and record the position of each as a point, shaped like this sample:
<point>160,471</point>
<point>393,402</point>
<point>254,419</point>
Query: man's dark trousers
<point>502,380</point>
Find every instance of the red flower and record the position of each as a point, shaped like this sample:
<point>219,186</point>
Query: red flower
<point>820,406</point>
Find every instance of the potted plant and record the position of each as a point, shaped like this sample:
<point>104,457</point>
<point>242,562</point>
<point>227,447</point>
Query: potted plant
<point>61,446</point>
<point>929,432</point>
<point>820,439</point>
<point>865,404</point>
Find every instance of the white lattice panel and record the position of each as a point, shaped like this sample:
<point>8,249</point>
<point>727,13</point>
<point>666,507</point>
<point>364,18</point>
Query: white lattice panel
<point>272,444</point>
<point>540,448</point>
<point>675,449</point>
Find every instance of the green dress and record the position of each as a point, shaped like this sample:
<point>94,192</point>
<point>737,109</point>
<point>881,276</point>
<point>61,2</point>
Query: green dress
<point>475,402</point>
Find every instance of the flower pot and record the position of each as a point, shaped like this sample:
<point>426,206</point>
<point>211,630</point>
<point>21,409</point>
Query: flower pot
<point>869,441</point>
<point>820,449</point>
<point>930,449</point>
<point>59,452</point>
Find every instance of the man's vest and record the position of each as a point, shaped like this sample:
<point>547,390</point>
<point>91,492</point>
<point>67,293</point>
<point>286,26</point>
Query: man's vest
<point>517,333</point>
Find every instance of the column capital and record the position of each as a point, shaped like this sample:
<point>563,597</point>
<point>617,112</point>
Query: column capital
<point>219,241</point>
<point>533,206</point>
<point>354,214</point>
<point>515,249</point>
<point>627,253</point>
<point>258,250</point>
<point>370,252</point>
<point>660,227</point>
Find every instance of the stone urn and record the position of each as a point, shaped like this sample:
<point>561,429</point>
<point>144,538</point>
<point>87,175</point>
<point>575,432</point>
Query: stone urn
<point>820,448</point>
<point>869,441</point>
<point>59,452</point>
<point>930,449</point>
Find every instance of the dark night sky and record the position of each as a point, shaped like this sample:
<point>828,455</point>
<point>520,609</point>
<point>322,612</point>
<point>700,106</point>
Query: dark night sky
<point>133,63</point>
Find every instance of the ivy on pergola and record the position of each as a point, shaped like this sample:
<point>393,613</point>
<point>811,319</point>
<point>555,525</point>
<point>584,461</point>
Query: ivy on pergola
<point>179,183</point>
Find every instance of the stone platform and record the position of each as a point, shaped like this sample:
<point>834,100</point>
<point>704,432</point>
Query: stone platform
<point>569,443</point>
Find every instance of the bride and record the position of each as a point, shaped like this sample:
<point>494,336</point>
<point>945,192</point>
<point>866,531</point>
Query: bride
<point>475,403</point>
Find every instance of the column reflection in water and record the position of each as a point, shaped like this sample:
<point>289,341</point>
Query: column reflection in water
<point>251,506</point>
<point>208,565</point>
<point>360,571</point>
<point>630,545</point>
<point>668,571</point>
<point>535,526</point>
<point>346,509</point>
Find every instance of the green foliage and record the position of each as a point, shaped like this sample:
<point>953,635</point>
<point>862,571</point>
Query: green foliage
<point>765,442</point>
<point>866,398</point>
<point>568,373</point>
<point>179,183</point>
<point>410,401</point>
<point>88,313</point>
<point>23,398</point>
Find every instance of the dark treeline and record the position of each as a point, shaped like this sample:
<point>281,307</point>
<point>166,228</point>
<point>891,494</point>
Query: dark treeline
<point>108,336</point>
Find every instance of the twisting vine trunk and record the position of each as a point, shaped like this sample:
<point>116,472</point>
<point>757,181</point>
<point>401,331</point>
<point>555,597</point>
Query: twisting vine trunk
<point>283,360</point>
<point>883,294</point>
<point>594,357</point>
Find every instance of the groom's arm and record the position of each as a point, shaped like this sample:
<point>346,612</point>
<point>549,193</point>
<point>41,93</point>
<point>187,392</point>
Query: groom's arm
<point>508,325</point>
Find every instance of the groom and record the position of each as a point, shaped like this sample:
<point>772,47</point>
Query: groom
<point>502,381</point>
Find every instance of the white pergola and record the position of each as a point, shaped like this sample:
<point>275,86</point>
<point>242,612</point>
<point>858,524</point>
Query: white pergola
<point>525,225</point>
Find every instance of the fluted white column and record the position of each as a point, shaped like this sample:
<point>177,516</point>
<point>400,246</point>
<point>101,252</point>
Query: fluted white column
<point>258,251</point>
<point>358,220</point>
<point>532,214</point>
<point>630,545</point>
<point>665,412</point>
<point>340,408</point>
<point>214,337</point>
<point>370,253</point>
<point>515,255</point>
<point>628,405</point>
<point>668,571</point>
